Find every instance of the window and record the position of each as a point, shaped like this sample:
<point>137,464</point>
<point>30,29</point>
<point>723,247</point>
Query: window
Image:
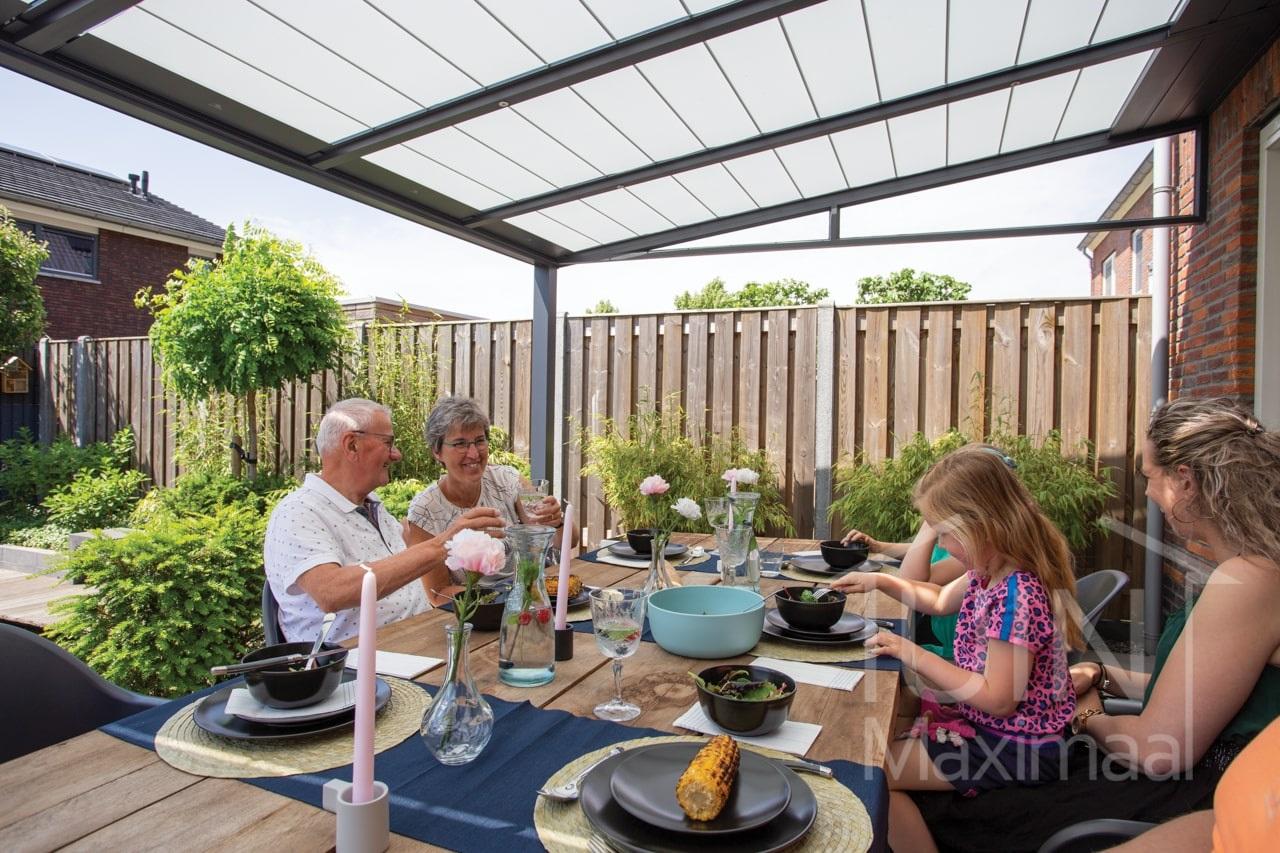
<point>1109,275</point>
<point>1137,267</point>
<point>70,253</point>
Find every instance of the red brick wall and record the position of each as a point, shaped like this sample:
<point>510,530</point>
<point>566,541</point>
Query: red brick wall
<point>1120,242</point>
<point>104,309</point>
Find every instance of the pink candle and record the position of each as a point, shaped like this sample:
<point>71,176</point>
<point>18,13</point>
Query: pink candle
<point>366,678</point>
<point>562,594</point>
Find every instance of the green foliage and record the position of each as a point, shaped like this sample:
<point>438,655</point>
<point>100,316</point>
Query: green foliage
<point>205,493</point>
<point>656,444</point>
<point>500,452</point>
<point>398,371</point>
<point>786,291</point>
<point>46,534</point>
<point>877,498</point>
<point>29,471</point>
<point>202,432</point>
<point>398,494</point>
<point>20,302</point>
<point>168,602</point>
<point>907,285</point>
<point>604,306</point>
<point>94,501</point>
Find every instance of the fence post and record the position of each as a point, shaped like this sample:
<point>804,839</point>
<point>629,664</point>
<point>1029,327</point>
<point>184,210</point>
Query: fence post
<point>824,419</point>
<point>44,378</point>
<point>83,391</point>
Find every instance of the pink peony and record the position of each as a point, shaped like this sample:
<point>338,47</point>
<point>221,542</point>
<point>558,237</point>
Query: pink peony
<point>473,551</point>
<point>654,485</point>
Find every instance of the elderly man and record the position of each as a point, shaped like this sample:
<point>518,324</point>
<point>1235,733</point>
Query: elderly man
<point>319,535</point>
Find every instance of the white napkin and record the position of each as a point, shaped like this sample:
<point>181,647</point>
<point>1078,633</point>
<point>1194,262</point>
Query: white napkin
<point>241,704</point>
<point>397,664</point>
<point>792,737</point>
<point>835,677</point>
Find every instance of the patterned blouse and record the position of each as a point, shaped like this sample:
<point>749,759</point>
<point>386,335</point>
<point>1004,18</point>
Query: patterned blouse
<point>499,489</point>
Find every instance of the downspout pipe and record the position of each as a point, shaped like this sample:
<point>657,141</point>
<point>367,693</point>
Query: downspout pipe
<point>1161,204</point>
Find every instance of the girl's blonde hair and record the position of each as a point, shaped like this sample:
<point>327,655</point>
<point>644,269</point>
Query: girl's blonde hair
<point>1235,463</point>
<point>974,491</point>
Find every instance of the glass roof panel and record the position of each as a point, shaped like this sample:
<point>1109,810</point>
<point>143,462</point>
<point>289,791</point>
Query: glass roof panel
<point>1124,17</point>
<point>568,118</point>
<point>630,211</point>
<point>813,166</point>
<point>1055,27</point>
<point>696,6</point>
<point>919,140</point>
<point>974,126</point>
<point>673,201</point>
<point>553,29</point>
<point>830,42</point>
<point>372,42</point>
<point>423,170</point>
<point>812,227</point>
<point>549,229</point>
<point>908,42</point>
<point>764,179</point>
<point>627,17</point>
<point>1100,93</point>
<point>586,220</point>
<point>509,133</point>
<point>864,153</point>
<point>468,36</point>
<point>629,103</point>
<point>717,189</point>
<point>149,38</point>
<point>691,82</point>
<point>460,152</point>
<point>759,64</point>
<point>1035,110</point>
<point>983,36</point>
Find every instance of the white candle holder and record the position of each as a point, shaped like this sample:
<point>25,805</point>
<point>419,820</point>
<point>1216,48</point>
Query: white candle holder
<point>362,827</point>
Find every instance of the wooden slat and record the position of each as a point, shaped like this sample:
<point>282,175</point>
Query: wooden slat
<point>906,376</point>
<point>444,361</point>
<point>672,363</point>
<point>482,366</point>
<point>1006,366</point>
<point>1114,390</point>
<point>621,377</point>
<point>1042,333</point>
<point>848,404</point>
<point>804,405</point>
<point>724,375</point>
<point>875,387</point>
<point>462,359</point>
<point>776,397</point>
<point>1076,368</point>
<point>938,372</point>
<point>749,367</point>
<point>696,394</point>
<point>648,391</point>
<point>502,371</point>
<point>597,409</point>
<point>973,376</point>
<point>522,385</point>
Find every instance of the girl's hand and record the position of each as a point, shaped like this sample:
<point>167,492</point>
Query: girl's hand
<point>891,645</point>
<point>859,536</point>
<point>1084,677</point>
<point>857,582</point>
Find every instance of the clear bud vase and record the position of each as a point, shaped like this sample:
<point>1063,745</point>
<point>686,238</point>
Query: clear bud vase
<point>458,722</point>
<point>526,644</point>
<point>661,574</point>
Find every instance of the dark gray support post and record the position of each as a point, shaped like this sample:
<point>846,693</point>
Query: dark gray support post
<point>824,423</point>
<point>84,392</point>
<point>45,424</point>
<point>542,400</point>
<point>560,436</point>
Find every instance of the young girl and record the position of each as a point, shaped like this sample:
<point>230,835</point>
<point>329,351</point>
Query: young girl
<point>1010,678</point>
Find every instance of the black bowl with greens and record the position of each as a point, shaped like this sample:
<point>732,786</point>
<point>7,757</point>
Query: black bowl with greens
<point>488,613</point>
<point>802,610</point>
<point>745,700</point>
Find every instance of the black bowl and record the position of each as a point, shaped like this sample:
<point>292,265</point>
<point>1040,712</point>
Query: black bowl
<point>488,617</point>
<point>641,539</point>
<point>840,556</point>
<point>286,687</point>
<point>740,716</point>
<point>810,615</point>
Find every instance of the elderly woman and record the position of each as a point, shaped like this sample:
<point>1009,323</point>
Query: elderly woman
<point>1215,472</point>
<point>458,434</point>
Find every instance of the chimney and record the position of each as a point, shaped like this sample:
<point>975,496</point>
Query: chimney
<point>146,181</point>
<point>133,184</point>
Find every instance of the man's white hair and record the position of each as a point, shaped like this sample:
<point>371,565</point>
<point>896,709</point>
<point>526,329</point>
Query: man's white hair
<point>346,416</point>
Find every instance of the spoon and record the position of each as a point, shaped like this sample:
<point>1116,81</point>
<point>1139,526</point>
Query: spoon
<point>237,668</point>
<point>325,625</point>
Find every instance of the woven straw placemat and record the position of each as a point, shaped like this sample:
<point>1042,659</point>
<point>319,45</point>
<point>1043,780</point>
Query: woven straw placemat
<point>771,647</point>
<point>843,822</point>
<point>186,746</point>
<point>579,614</point>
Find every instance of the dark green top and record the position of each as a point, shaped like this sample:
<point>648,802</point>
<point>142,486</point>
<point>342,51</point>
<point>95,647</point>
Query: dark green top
<point>1259,709</point>
<point>943,627</point>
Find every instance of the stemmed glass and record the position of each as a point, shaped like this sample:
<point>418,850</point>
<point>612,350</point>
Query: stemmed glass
<point>618,617</point>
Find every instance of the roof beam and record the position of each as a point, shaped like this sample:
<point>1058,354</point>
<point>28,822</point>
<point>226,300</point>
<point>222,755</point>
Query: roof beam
<point>558,75</point>
<point>52,23</point>
<point>632,247</point>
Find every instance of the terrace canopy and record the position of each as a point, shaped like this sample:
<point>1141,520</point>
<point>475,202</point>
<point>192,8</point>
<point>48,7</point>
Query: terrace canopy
<point>569,131</point>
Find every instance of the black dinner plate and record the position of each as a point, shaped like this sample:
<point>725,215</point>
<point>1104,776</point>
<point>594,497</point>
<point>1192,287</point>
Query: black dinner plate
<point>578,600</point>
<point>852,640</point>
<point>847,626</point>
<point>622,549</point>
<point>645,785</point>
<point>211,715</point>
<point>629,833</point>
<point>819,566</point>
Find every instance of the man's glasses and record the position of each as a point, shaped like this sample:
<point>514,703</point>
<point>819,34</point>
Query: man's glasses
<point>387,438</point>
<point>461,445</point>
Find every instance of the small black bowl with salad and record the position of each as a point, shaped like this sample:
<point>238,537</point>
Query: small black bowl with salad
<point>802,609</point>
<point>745,700</point>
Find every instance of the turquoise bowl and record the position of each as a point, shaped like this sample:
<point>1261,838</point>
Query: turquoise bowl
<point>706,621</point>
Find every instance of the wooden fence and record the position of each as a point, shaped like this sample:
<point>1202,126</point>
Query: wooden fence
<point>809,385</point>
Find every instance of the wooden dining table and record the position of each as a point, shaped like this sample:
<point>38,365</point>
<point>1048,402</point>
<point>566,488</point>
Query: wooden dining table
<point>96,792</point>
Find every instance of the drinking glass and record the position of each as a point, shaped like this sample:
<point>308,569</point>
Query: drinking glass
<point>618,618</point>
<point>733,543</point>
<point>717,511</point>
<point>532,495</point>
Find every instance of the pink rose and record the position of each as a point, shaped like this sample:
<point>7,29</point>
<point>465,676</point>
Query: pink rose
<point>654,485</point>
<point>473,551</point>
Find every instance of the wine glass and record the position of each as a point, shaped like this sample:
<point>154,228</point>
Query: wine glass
<point>733,542</point>
<point>618,618</point>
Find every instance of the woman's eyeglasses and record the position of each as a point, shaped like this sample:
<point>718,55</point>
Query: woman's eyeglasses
<point>461,445</point>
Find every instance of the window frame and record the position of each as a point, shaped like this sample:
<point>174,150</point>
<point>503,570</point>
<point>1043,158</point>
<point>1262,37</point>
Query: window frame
<point>1138,272</point>
<point>39,231</point>
<point>1109,275</point>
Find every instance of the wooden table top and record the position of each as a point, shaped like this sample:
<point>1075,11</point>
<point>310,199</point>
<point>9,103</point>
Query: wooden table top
<point>96,791</point>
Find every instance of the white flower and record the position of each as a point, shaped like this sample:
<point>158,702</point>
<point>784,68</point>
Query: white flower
<point>688,507</point>
<point>741,476</point>
<point>654,485</point>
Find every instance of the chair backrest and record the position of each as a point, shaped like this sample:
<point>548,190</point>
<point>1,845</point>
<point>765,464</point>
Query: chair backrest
<point>50,695</point>
<point>1094,591</point>
<point>271,616</point>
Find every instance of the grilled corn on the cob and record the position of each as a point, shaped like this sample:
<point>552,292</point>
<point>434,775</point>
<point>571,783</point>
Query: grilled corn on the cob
<point>704,786</point>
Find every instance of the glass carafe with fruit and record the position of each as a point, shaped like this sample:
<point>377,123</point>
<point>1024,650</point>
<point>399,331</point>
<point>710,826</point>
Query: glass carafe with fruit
<point>526,644</point>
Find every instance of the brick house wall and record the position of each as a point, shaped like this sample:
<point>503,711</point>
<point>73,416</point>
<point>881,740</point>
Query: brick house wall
<point>1121,243</point>
<point>104,308</point>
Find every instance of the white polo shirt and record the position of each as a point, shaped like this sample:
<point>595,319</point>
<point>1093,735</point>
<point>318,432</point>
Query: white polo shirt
<point>316,525</point>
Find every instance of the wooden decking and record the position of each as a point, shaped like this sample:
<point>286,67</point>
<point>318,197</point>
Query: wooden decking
<point>25,599</point>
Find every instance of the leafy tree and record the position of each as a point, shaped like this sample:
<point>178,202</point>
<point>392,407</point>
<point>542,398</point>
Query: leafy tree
<point>263,313</point>
<point>20,301</point>
<point>907,285</point>
<point>785,291</point>
<point>604,306</point>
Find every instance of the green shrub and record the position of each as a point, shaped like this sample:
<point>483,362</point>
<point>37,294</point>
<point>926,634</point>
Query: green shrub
<point>877,498</point>
<point>50,535</point>
<point>657,445</point>
<point>397,495</point>
<point>95,500</point>
<point>500,452</point>
<point>205,492</point>
<point>29,471</point>
<point>168,602</point>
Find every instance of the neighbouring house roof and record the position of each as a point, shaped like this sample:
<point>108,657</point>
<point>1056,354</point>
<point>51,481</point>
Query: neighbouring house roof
<point>1139,182</point>
<point>363,308</point>
<point>45,182</point>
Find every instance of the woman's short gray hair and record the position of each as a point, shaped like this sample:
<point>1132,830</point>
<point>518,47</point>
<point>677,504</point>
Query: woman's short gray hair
<point>346,416</point>
<point>450,412</point>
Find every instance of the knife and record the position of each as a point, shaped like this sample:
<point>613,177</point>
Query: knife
<point>803,766</point>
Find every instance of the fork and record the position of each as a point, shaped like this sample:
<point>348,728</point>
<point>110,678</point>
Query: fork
<point>568,792</point>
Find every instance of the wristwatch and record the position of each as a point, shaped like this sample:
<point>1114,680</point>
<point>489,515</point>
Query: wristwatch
<point>1080,722</point>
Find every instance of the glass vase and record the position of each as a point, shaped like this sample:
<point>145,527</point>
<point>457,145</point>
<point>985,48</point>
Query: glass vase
<point>744,512</point>
<point>458,722</point>
<point>526,644</point>
<point>661,574</point>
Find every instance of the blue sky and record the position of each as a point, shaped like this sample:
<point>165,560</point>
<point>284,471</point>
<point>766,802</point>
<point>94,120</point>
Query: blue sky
<point>375,253</point>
